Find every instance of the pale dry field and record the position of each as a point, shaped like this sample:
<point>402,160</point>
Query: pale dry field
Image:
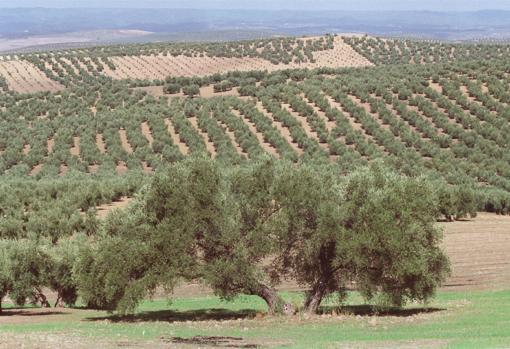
<point>479,252</point>
<point>160,66</point>
<point>24,77</point>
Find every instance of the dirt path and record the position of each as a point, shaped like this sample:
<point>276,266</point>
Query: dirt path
<point>176,139</point>
<point>100,143</point>
<point>208,143</point>
<point>75,149</point>
<point>269,148</point>
<point>51,145</point>
<point>104,210</point>
<point>284,131</point>
<point>124,140</point>
<point>121,168</point>
<point>147,133</point>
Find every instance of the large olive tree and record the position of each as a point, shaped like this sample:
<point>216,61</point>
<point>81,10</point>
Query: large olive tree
<point>243,229</point>
<point>372,231</point>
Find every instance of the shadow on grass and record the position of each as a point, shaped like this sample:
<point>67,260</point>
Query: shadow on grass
<point>370,310</point>
<point>28,312</point>
<point>224,314</point>
<point>223,342</point>
<point>181,316</point>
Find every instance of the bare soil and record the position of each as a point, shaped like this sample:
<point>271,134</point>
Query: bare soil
<point>208,143</point>
<point>260,137</point>
<point>125,143</point>
<point>147,133</point>
<point>478,250</point>
<point>176,139</point>
<point>24,77</point>
<point>284,131</point>
<point>160,66</point>
<point>103,210</point>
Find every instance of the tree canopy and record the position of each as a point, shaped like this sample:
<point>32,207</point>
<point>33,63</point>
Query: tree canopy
<point>241,230</point>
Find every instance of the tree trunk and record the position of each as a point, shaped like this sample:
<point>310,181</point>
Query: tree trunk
<point>42,298</point>
<point>275,304</point>
<point>314,297</point>
<point>325,280</point>
<point>58,303</point>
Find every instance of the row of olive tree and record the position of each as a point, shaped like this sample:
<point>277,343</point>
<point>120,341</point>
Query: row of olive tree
<point>28,267</point>
<point>242,230</point>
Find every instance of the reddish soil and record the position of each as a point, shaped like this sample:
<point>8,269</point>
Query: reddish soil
<point>75,149</point>
<point>35,170</point>
<point>284,131</point>
<point>478,250</point>
<point>63,170</point>
<point>208,143</point>
<point>146,168</point>
<point>104,210</point>
<point>146,131</point>
<point>100,143</point>
<point>160,66</point>
<point>51,145</point>
<point>176,139</point>
<point>26,149</point>
<point>260,137</point>
<point>125,143</point>
<point>24,77</point>
<point>121,168</point>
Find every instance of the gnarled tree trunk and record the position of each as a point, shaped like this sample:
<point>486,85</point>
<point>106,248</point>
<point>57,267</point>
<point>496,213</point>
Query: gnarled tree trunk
<point>42,299</point>
<point>275,304</point>
<point>325,282</point>
<point>314,297</point>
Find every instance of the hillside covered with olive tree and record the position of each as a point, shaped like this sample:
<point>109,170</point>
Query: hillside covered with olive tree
<point>324,163</point>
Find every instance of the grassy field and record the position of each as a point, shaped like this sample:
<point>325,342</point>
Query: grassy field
<point>476,319</point>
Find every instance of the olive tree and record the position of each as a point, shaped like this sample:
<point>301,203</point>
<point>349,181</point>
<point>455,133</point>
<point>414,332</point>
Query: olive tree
<point>373,231</point>
<point>243,229</point>
<point>188,224</point>
<point>5,277</point>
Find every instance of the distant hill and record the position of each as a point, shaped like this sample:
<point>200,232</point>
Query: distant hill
<point>203,25</point>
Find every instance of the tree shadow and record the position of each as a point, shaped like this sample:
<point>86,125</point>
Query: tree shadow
<point>223,342</point>
<point>181,316</point>
<point>371,310</point>
<point>28,313</point>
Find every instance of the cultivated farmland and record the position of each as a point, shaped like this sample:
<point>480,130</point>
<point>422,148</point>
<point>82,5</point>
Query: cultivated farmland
<point>128,170</point>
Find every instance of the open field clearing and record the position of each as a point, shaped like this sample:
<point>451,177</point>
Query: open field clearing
<point>478,250</point>
<point>454,320</point>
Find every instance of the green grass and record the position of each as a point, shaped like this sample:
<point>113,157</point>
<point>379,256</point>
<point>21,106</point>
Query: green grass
<point>459,320</point>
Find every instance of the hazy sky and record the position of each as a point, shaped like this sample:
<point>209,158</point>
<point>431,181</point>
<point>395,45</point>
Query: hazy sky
<point>437,5</point>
